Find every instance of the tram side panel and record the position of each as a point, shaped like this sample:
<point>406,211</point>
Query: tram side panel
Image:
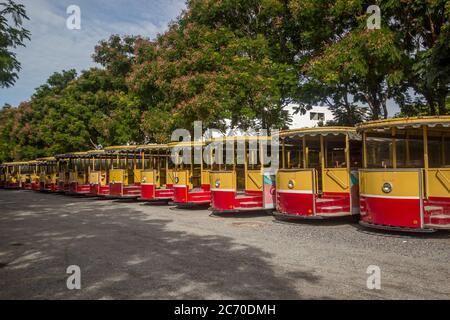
<point>391,197</point>
<point>295,192</point>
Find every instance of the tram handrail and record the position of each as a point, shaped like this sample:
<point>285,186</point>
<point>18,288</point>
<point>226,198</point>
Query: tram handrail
<point>443,179</point>
<point>337,180</point>
<point>255,182</point>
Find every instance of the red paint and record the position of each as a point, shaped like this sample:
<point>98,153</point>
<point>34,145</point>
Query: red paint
<point>115,189</point>
<point>391,211</point>
<point>222,200</point>
<point>180,194</point>
<point>76,188</point>
<point>148,192</point>
<point>99,190</point>
<point>298,204</point>
<point>231,201</point>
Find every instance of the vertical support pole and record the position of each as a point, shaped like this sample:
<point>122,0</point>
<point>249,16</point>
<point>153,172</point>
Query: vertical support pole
<point>408,151</point>
<point>322,159</point>
<point>364,150</point>
<point>305,153</point>
<point>245,164</point>
<point>347,153</point>
<point>425,157</point>
<point>394,149</point>
<point>201,165</point>
<point>283,152</point>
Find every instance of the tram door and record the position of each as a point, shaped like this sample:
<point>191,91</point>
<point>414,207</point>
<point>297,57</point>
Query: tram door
<point>313,156</point>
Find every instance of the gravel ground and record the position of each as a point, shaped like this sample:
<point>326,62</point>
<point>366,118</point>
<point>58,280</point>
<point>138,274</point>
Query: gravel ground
<point>132,250</point>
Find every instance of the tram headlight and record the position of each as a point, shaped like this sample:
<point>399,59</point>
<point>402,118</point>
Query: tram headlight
<point>217,183</point>
<point>177,180</point>
<point>291,184</point>
<point>387,187</point>
<point>144,179</point>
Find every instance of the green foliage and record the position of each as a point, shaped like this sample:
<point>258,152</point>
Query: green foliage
<point>12,35</point>
<point>238,63</point>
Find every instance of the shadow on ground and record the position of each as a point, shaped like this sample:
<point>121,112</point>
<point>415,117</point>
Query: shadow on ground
<point>125,253</point>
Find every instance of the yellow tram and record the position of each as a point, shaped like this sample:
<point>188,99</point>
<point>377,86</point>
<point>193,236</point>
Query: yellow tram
<point>241,180</point>
<point>77,165</point>
<point>48,174</point>
<point>99,165</point>
<point>125,172</point>
<point>319,173</point>
<point>157,176</point>
<point>191,174</point>
<point>405,180</point>
<point>29,178</point>
<point>2,175</point>
<point>12,175</point>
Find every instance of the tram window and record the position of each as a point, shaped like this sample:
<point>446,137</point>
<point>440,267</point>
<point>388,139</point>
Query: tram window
<point>438,152</point>
<point>335,153</point>
<point>379,151</point>
<point>293,155</point>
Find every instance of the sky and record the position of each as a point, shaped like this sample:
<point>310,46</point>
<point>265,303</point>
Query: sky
<point>54,47</point>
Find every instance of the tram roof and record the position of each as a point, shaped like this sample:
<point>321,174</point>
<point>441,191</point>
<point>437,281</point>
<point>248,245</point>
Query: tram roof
<point>153,146</point>
<point>73,155</point>
<point>402,123</point>
<point>96,152</point>
<point>240,138</point>
<point>46,159</point>
<point>317,131</point>
<point>187,144</point>
<point>18,163</point>
<point>112,149</point>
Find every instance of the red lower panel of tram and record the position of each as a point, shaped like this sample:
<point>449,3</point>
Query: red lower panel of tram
<point>182,195</point>
<point>233,201</point>
<point>297,204</point>
<point>76,188</point>
<point>27,186</point>
<point>10,185</point>
<point>391,212</point>
<point>99,190</point>
<point>303,204</point>
<point>51,187</point>
<point>151,192</point>
<point>121,191</point>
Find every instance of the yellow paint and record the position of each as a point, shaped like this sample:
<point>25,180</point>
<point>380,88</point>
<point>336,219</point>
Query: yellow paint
<point>205,177</point>
<point>227,180</point>
<point>118,176</point>
<point>183,177</point>
<point>137,175</point>
<point>438,182</point>
<point>303,180</point>
<point>254,181</point>
<point>336,180</point>
<point>150,177</point>
<point>94,177</point>
<point>170,176</point>
<point>404,183</point>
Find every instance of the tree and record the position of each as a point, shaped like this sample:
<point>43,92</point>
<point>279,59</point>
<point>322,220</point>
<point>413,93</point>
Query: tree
<point>12,35</point>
